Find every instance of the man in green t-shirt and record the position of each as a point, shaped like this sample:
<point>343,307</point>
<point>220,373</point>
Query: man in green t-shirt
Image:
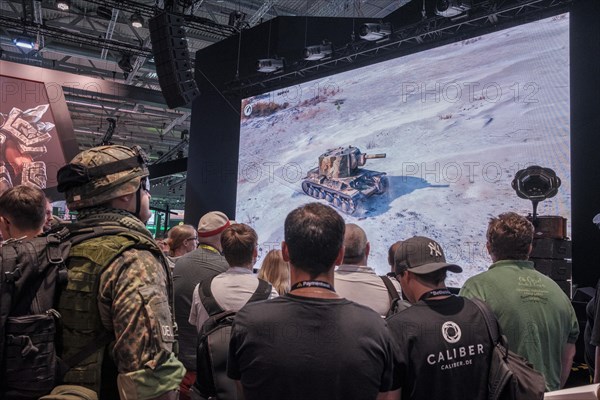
<point>534,313</point>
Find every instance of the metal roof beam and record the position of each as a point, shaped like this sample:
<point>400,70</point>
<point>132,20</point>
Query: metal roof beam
<point>109,32</point>
<point>264,8</point>
<point>37,18</point>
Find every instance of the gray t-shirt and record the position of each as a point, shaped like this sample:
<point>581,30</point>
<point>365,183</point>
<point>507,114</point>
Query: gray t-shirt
<point>191,269</point>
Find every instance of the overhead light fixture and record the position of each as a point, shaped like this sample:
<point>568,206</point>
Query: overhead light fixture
<point>318,52</point>
<point>24,41</point>
<point>63,5</point>
<point>452,8</point>
<point>236,18</point>
<point>125,63</point>
<point>136,20</point>
<point>267,65</point>
<point>375,31</point>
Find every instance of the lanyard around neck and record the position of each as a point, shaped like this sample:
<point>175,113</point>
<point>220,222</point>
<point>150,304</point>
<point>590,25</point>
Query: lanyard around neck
<point>435,293</point>
<point>312,284</point>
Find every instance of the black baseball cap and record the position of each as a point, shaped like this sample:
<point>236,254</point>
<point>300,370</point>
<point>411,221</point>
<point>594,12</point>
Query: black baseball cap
<point>422,255</point>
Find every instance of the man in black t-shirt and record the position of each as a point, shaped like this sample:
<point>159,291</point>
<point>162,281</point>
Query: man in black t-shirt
<point>443,345</point>
<point>311,343</point>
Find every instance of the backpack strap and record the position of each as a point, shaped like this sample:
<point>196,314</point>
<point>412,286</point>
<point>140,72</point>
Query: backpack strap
<point>262,292</point>
<point>490,319</point>
<point>103,339</point>
<point>206,297</point>
<point>390,288</point>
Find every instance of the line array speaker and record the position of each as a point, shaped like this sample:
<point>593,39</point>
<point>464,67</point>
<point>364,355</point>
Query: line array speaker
<point>172,59</point>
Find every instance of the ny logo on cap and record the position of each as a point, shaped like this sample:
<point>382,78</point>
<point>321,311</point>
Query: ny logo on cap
<point>434,249</point>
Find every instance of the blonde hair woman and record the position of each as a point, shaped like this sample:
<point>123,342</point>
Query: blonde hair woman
<point>276,271</point>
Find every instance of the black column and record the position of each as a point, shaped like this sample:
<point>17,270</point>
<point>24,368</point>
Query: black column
<point>585,139</point>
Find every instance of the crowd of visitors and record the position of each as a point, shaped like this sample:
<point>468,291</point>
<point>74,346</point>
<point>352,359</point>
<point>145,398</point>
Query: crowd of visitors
<point>329,328</point>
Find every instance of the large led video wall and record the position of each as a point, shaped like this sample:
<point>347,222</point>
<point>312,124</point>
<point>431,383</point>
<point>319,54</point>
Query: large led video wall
<point>34,126</point>
<point>455,124</point>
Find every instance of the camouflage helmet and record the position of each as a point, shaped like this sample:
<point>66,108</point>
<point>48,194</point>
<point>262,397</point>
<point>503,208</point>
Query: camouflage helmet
<point>100,174</point>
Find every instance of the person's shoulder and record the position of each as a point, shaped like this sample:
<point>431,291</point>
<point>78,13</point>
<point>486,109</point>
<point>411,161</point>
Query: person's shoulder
<point>201,255</point>
<point>141,257</point>
<point>362,314</point>
<point>260,310</point>
<point>408,313</point>
<point>478,278</point>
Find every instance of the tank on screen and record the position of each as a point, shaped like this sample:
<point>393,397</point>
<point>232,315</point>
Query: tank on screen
<point>339,180</point>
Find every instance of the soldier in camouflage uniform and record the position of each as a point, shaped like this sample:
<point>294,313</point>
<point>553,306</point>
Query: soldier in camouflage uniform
<point>119,288</point>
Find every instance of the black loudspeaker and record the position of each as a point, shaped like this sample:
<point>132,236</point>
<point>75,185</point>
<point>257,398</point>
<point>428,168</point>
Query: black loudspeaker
<point>558,270</point>
<point>551,248</point>
<point>172,59</point>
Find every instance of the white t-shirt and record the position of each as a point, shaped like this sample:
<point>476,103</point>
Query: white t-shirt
<point>362,285</point>
<point>231,290</point>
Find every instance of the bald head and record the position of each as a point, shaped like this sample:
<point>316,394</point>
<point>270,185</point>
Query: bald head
<point>356,244</point>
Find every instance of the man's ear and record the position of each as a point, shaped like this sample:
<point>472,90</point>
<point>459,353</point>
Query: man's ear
<point>488,247</point>
<point>121,201</point>
<point>340,256</point>
<point>285,252</point>
<point>367,249</point>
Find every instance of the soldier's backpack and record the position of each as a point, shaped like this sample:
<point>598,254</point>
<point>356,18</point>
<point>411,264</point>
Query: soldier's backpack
<point>32,272</point>
<point>213,345</point>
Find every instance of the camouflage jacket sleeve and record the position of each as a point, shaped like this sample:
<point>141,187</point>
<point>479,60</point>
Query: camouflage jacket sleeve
<point>133,302</point>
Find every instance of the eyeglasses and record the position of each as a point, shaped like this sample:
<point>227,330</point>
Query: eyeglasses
<point>145,184</point>
<point>195,239</point>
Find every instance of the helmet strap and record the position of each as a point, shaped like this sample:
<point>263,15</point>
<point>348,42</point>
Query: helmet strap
<point>138,202</point>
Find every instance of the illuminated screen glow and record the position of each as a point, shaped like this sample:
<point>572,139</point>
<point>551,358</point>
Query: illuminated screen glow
<point>455,122</point>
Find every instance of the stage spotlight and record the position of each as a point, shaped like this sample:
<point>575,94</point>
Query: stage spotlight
<point>374,31</point>
<point>24,41</point>
<point>318,52</point>
<point>136,20</point>
<point>125,63</point>
<point>451,8</point>
<point>267,65</point>
<point>536,184</point>
<point>63,5</point>
<point>236,18</point>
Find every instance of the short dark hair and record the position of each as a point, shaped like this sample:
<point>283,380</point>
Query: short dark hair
<point>238,243</point>
<point>509,236</point>
<point>314,235</point>
<point>435,278</point>
<point>25,206</point>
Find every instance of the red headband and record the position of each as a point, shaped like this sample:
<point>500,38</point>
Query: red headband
<point>214,231</point>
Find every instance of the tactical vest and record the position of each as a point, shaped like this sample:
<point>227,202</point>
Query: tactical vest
<point>79,308</point>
